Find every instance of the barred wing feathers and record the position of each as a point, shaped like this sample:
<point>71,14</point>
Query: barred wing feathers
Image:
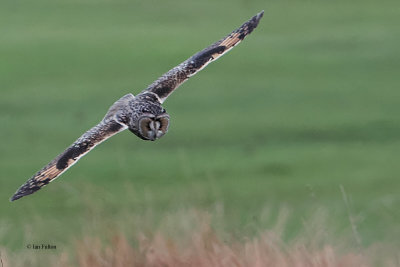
<point>69,157</point>
<point>171,80</point>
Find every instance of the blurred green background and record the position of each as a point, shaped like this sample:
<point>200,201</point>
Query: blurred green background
<point>308,103</point>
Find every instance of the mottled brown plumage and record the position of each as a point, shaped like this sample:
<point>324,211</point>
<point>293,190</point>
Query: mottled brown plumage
<point>143,115</point>
<point>171,80</point>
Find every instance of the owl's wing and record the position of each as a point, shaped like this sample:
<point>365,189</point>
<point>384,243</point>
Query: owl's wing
<point>108,127</point>
<point>171,80</point>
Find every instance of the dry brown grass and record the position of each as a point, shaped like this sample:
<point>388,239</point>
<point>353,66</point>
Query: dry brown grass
<point>195,243</point>
<point>206,250</point>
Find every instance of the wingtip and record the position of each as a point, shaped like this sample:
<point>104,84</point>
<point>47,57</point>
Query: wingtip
<point>24,190</point>
<point>14,197</point>
<point>17,195</point>
<point>258,16</point>
<point>252,23</point>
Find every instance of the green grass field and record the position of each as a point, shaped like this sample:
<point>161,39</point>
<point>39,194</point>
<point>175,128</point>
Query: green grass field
<point>307,104</point>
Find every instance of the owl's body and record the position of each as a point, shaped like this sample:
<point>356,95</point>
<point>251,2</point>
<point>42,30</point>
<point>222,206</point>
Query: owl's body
<point>142,114</point>
<point>130,111</point>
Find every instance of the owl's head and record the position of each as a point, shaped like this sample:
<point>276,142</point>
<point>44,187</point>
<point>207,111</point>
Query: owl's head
<point>150,122</point>
<point>152,127</point>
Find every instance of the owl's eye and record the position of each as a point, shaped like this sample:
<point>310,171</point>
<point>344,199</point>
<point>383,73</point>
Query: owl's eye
<point>164,123</point>
<point>144,124</point>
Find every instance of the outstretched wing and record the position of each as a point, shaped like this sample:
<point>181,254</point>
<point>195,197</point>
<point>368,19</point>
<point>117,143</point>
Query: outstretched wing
<point>69,157</point>
<point>171,80</point>
<point>108,127</point>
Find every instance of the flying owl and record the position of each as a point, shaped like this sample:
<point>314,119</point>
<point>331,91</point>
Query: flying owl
<point>143,114</point>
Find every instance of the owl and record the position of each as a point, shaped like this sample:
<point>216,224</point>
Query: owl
<point>143,114</point>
